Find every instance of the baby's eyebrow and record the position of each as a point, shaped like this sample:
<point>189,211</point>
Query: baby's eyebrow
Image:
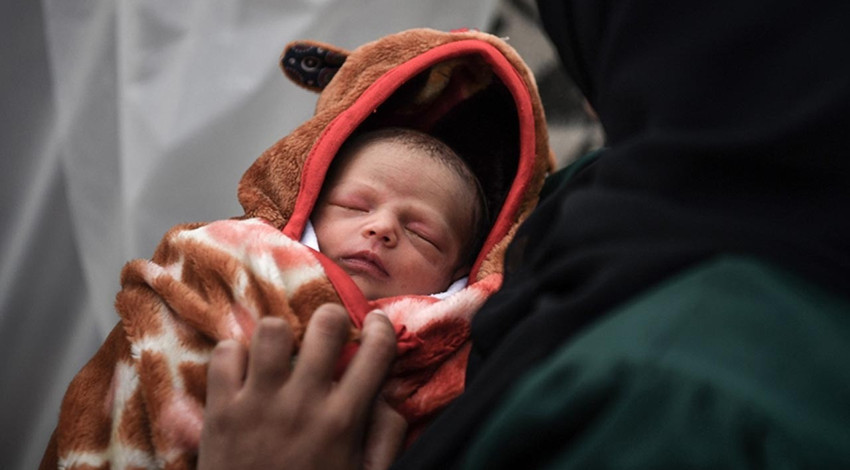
<point>351,189</point>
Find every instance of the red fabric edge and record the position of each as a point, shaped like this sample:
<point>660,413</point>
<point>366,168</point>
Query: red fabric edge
<point>320,157</point>
<point>352,299</point>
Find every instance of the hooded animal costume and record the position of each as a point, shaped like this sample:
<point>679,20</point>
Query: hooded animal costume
<point>685,302</point>
<point>139,401</point>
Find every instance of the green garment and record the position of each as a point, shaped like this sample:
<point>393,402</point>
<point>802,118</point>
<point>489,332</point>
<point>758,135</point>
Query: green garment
<point>731,364</point>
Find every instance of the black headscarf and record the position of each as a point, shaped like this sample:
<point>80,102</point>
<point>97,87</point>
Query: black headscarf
<point>728,126</point>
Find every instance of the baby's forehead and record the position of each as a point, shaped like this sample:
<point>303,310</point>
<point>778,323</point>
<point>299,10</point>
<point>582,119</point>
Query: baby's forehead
<point>430,159</point>
<point>393,156</point>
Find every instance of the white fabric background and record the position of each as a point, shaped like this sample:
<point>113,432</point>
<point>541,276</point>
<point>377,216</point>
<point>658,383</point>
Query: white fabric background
<point>121,118</point>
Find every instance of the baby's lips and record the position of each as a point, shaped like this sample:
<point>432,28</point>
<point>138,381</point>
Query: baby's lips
<point>365,263</point>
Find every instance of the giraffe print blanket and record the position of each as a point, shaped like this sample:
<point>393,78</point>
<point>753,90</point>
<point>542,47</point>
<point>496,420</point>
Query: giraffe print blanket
<point>139,402</point>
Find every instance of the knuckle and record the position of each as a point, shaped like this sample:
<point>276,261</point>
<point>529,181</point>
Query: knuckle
<point>219,418</point>
<point>339,421</point>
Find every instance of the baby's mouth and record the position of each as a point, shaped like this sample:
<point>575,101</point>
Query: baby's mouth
<point>364,262</point>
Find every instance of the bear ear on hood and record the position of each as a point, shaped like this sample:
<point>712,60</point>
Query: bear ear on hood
<point>311,64</point>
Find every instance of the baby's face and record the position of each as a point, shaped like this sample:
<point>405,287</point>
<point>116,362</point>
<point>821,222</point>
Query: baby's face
<point>395,221</point>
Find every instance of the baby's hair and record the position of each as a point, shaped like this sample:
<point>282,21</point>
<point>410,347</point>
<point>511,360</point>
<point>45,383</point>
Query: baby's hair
<point>441,152</point>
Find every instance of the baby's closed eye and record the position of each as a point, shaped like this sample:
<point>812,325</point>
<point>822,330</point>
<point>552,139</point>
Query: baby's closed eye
<point>425,235</point>
<point>351,202</point>
<point>352,207</point>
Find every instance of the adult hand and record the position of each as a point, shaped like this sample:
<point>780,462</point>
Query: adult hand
<point>263,413</point>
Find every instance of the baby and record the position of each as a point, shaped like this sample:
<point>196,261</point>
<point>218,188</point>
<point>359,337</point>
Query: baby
<point>398,220</point>
<point>401,213</point>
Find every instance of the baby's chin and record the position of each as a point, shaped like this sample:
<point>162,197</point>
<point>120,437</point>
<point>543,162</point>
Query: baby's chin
<point>375,290</point>
<point>371,290</point>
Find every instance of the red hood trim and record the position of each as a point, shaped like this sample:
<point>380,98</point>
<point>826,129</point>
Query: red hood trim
<point>329,142</point>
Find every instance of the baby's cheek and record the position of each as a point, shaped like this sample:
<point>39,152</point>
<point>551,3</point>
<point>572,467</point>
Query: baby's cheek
<point>444,275</point>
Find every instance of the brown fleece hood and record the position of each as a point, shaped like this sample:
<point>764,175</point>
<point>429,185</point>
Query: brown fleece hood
<point>467,88</point>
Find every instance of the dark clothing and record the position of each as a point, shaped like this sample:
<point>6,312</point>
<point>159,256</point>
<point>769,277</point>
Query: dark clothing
<point>727,136</point>
<point>731,364</point>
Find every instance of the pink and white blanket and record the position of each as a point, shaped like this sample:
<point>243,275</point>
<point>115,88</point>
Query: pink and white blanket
<point>139,402</point>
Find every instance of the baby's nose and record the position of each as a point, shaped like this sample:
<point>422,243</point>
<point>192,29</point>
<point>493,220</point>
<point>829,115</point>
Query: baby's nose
<point>383,229</point>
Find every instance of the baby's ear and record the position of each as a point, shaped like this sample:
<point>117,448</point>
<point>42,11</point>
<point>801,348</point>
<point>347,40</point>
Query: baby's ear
<point>311,64</point>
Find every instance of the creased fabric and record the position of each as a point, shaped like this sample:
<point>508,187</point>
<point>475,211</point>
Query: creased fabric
<point>139,402</point>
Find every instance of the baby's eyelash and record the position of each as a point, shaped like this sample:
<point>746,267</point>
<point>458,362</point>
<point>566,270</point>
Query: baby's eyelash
<point>351,207</point>
<point>423,237</point>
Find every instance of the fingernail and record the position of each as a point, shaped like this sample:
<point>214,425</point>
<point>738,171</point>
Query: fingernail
<point>269,327</point>
<point>272,322</point>
<point>225,346</point>
<point>378,312</point>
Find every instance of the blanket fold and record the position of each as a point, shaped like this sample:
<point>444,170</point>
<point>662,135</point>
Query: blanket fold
<point>213,282</point>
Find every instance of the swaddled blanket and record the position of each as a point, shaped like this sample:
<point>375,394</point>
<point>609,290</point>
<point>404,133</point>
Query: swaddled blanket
<point>139,402</point>
<point>214,282</point>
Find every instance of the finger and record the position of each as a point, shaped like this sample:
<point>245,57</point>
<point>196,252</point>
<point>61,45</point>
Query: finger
<point>386,436</point>
<point>370,364</point>
<point>323,340</point>
<point>270,356</point>
<point>226,373</point>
